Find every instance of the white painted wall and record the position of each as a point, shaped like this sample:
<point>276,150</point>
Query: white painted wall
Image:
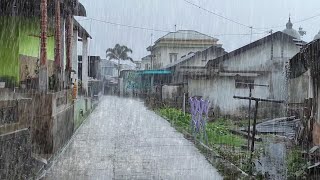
<point>259,58</point>
<point>201,59</point>
<point>144,63</point>
<point>162,54</point>
<point>299,88</point>
<point>169,92</point>
<point>220,92</point>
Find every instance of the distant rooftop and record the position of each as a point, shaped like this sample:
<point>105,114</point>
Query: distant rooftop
<point>187,35</point>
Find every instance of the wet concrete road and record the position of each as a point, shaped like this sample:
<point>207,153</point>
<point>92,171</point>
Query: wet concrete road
<point>123,140</point>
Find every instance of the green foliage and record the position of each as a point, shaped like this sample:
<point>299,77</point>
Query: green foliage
<point>176,117</point>
<point>119,52</point>
<point>219,137</point>
<point>218,131</point>
<point>297,165</point>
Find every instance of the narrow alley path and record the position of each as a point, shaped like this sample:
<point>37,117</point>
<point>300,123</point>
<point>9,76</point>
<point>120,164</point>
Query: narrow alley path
<point>123,140</point>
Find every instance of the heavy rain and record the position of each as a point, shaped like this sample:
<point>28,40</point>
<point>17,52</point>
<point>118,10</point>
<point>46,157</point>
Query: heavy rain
<point>159,89</point>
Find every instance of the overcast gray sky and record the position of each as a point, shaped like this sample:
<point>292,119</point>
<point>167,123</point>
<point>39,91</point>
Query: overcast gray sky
<point>164,14</point>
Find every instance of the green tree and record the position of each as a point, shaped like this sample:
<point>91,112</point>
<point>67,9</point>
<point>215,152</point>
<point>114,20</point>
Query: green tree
<point>119,53</point>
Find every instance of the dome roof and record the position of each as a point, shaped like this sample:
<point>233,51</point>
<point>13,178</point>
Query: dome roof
<point>290,31</point>
<point>317,36</point>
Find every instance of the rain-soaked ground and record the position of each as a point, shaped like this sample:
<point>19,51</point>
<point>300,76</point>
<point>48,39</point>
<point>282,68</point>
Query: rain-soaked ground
<point>121,139</point>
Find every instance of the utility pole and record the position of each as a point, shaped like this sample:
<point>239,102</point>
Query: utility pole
<point>251,33</point>
<point>43,72</point>
<point>151,62</point>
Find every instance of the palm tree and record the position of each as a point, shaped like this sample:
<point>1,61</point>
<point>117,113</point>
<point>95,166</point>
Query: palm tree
<point>119,52</point>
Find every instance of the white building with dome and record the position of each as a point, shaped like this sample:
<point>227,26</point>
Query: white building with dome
<point>290,31</point>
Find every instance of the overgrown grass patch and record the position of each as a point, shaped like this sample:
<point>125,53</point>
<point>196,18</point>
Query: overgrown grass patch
<point>297,165</point>
<point>217,131</point>
<point>220,138</point>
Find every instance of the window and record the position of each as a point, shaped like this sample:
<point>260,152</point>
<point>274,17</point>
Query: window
<point>173,57</point>
<point>243,83</point>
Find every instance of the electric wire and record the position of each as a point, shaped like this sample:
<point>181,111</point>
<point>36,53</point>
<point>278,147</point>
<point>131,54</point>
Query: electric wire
<point>165,31</point>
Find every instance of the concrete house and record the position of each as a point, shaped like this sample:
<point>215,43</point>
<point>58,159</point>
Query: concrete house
<point>20,39</point>
<point>261,62</point>
<point>42,117</point>
<point>303,88</point>
<point>194,63</point>
<point>171,47</point>
<point>146,62</point>
<point>109,69</point>
<point>138,65</point>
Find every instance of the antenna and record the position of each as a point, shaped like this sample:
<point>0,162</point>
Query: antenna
<point>251,34</point>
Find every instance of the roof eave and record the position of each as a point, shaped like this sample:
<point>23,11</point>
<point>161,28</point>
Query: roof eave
<point>250,46</point>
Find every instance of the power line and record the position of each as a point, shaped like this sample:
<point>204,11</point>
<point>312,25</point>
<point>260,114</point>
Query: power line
<point>245,25</point>
<point>306,19</point>
<point>294,22</point>
<point>129,26</point>
<point>216,14</point>
<point>161,30</point>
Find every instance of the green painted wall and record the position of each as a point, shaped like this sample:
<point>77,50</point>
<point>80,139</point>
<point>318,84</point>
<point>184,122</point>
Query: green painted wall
<point>9,54</point>
<point>29,45</point>
<point>17,36</point>
<point>80,104</point>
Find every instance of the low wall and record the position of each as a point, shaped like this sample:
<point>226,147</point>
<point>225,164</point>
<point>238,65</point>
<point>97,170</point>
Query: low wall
<point>82,109</point>
<point>15,115</point>
<point>53,124</point>
<point>15,155</point>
